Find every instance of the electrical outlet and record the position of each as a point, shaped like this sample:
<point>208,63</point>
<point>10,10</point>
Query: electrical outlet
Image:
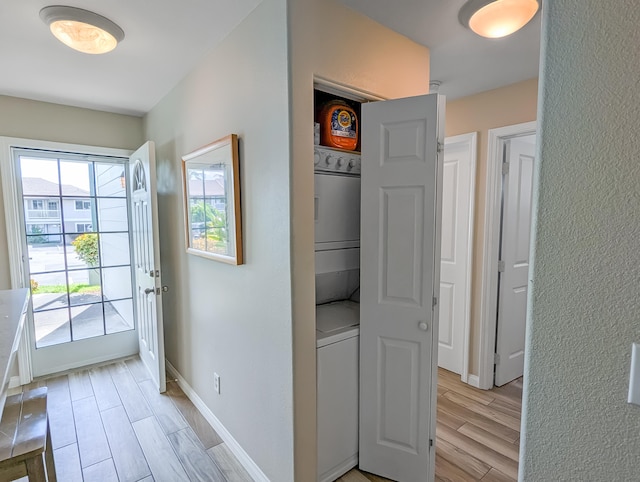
<point>216,382</point>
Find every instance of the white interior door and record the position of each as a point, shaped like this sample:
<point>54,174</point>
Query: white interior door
<point>146,256</point>
<point>458,188</point>
<point>514,251</point>
<point>400,261</point>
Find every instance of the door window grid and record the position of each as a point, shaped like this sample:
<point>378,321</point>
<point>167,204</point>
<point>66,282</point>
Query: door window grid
<point>67,299</point>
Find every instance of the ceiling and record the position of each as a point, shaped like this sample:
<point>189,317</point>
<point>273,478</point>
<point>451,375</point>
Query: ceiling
<point>464,62</point>
<point>162,44</point>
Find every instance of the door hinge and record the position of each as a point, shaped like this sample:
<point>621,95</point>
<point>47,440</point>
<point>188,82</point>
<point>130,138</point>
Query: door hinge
<point>440,147</point>
<point>430,442</point>
<point>434,302</point>
<point>505,168</point>
<point>501,266</point>
<point>496,359</point>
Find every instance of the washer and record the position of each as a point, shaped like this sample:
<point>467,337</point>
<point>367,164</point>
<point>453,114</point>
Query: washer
<point>338,330</point>
<point>336,321</point>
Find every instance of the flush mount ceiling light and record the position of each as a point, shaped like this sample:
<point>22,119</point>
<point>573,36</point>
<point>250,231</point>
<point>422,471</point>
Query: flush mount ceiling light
<point>82,30</point>
<point>497,18</point>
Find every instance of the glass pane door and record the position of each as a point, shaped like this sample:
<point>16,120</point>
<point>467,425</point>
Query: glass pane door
<point>76,232</point>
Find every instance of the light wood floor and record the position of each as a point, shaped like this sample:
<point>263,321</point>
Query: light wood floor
<point>109,424</point>
<point>477,433</point>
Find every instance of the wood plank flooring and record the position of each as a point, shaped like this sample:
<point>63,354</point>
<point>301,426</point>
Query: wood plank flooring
<point>477,433</point>
<point>108,424</point>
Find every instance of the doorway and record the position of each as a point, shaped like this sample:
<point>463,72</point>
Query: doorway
<point>458,194</point>
<point>67,212</point>
<point>513,271</point>
<point>506,253</point>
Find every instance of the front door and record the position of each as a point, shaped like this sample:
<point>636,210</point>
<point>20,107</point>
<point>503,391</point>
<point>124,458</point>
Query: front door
<point>76,236</point>
<point>514,254</point>
<point>400,259</point>
<point>146,255</point>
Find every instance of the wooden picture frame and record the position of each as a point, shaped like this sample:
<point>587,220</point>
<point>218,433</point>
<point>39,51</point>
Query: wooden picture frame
<point>211,187</point>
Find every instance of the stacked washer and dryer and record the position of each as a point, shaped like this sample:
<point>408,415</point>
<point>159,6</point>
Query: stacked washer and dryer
<point>337,259</point>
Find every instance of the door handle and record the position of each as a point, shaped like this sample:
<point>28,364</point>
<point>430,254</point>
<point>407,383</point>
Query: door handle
<point>423,326</point>
<point>148,291</point>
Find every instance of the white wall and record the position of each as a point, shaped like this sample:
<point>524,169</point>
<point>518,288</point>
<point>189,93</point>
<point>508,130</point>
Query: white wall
<point>235,320</point>
<point>31,119</point>
<point>584,303</point>
<point>336,43</point>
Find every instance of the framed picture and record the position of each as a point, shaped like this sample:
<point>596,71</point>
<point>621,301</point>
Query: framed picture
<point>213,219</point>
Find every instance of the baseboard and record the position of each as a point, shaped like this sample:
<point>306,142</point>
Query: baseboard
<point>474,381</point>
<point>88,362</point>
<point>14,382</point>
<point>340,470</point>
<point>237,450</point>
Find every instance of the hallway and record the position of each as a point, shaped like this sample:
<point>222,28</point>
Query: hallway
<point>109,424</point>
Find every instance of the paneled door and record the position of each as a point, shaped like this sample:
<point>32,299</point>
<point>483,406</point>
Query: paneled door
<point>458,187</point>
<point>146,257</point>
<point>400,264</point>
<point>514,255</point>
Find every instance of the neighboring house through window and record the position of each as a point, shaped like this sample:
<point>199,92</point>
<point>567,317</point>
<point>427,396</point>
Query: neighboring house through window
<point>45,204</point>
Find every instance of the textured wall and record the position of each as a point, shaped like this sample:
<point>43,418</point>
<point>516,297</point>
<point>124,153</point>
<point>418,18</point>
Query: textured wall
<point>584,307</point>
<point>513,104</point>
<point>336,43</point>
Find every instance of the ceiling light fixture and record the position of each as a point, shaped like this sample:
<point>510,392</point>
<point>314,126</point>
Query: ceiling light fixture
<point>82,30</point>
<point>497,18</point>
